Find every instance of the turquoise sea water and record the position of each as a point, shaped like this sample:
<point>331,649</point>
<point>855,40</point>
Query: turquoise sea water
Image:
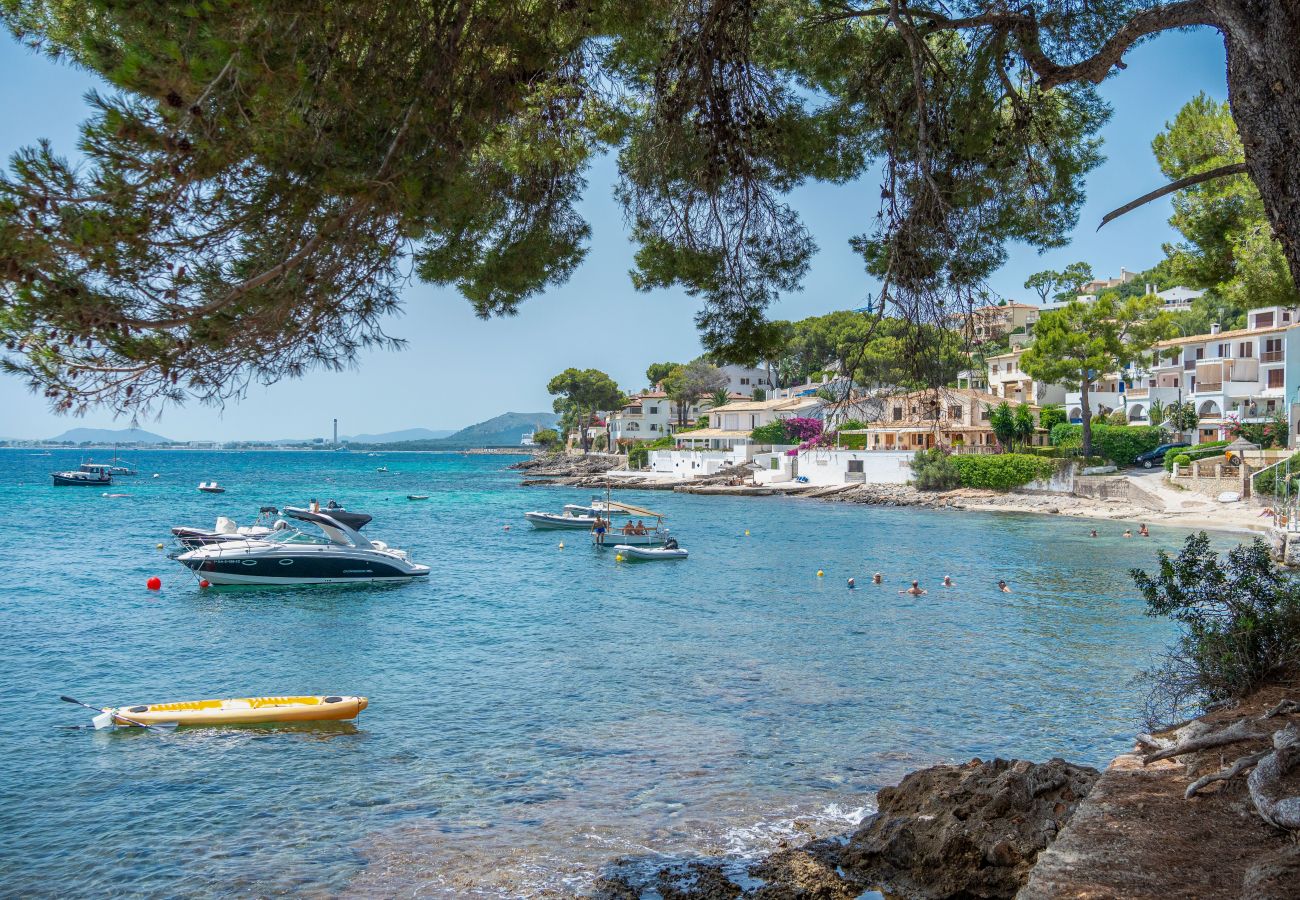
<point>535,712</point>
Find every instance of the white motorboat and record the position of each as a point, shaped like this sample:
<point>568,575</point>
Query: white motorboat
<point>565,520</point>
<point>290,556</point>
<point>643,553</point>
<point>227,530</point>
<point>211,487</point>
<point>87,474</point>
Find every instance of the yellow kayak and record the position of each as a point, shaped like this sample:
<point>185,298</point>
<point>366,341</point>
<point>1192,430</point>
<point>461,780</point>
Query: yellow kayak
<point>241,711</point>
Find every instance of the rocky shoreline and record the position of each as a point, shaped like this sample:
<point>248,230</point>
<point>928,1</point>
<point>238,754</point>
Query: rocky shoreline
<point>1170,819</point>
<point>950,831</point>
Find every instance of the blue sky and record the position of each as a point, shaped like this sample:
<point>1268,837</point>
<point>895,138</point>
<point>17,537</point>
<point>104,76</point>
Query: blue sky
<point>458,370</point>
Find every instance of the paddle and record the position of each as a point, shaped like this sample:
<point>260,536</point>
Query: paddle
<point>105,720</point>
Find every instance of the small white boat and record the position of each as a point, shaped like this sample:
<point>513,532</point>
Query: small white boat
<point>654,537</point>
<point>382,469</point>
<point>553,520</point>
<point>631,552</point>
<point>417,496</point>
<point>211,487</point>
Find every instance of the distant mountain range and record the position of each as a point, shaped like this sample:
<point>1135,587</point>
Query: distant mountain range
<point>504,430</point>
<point>409,434</point>
<point>111,436</point>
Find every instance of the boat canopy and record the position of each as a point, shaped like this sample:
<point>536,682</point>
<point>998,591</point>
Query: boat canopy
<point>634,510</point>
<point>353,520</point>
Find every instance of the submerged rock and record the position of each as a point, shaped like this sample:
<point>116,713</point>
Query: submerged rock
<point>972,830</point>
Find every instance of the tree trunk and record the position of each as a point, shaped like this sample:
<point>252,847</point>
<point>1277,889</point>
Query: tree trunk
<point>1087,418</point>
<point>1262,38</point>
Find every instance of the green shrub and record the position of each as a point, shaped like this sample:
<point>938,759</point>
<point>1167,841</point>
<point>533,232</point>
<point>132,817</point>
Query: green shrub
<point>1119,444</point>
<point>546,438</point>
<point>853,441</point>
<point>1182,459</point>
<point>1240,618</point>
<point>771,433</point>
<point>1117,419</point>
<point>1051,416</point>
<point>1200,451</point>
<point>667,442</point>
<point>1002,471</point>
<point>933,470</point>
<point>638,456</point>
<point>1273,480</point>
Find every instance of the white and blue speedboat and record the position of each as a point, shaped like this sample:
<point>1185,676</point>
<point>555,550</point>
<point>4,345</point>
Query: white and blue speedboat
<point>291,556</point>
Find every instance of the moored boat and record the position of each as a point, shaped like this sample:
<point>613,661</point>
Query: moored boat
<point>556,520</point>
<point>630,552</point>
<point>417,496</point>
<point>91,474</point>
<point>289,556</point>
<point>242,711</point>
<point>211,487</point>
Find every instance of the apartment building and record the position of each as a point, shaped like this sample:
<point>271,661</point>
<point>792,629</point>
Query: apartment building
<point>1010,382</point>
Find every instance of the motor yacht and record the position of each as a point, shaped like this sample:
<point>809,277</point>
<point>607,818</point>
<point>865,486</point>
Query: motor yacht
<point>292,556</point>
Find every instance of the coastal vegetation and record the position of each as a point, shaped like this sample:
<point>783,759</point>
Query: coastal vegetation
<point>1189,455</point>
<point>1240,619</point>
<point>1063,285</point>
<point>579,394</point>
<point>938,470</point>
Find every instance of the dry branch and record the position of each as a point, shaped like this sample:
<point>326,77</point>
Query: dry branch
<point>1265,783</point>
<point>1226,774</point>
<point>1241,730</point>
<point>1283,707</point>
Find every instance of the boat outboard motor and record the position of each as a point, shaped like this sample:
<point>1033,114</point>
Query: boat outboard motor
<point>670,544</point>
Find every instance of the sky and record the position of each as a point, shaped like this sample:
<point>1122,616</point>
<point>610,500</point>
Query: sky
<point>458,370</point>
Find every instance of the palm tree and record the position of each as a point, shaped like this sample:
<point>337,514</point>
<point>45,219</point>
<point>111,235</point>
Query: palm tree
<point>719,397</point>
<point>1157,412</point>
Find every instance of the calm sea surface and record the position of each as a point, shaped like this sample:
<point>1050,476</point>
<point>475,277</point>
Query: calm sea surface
<point>535,713</point>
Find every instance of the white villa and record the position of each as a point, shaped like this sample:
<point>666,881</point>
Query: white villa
<point>954,418</point>
<point>730,425</point>
<point>742,380</point>
<point>1252,373</point>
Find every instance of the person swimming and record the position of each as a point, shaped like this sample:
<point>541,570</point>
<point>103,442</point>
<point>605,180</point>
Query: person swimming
<point>852,584</point>
<point>1128,532</point>
<point>947,581</point>
<point>877,579</point>
<point>915,590</point>
<point>1003,586</point>
<point>1142,530</point>
<point>1093,533</point>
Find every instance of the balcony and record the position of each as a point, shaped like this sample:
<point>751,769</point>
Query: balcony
<point>1209,387</point>
<point>1272,356</point>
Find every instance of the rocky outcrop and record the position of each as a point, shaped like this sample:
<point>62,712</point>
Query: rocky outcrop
<point>965,831</point>
<point>569,465</point>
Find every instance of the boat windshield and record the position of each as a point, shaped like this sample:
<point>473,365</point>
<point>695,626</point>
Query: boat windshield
<point>294,536</point>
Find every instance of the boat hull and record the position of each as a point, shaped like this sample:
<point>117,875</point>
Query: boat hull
<point>250,562</point>
<point>62,480</point>
<point>244,711</point>
<point>550,521</point>
<point>649,553</point>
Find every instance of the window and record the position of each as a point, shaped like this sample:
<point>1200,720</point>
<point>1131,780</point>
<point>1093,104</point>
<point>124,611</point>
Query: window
<point>1245,349</point>
<point>954,412</point>
<point>1276,378</point>
<point>995,369</point>
<point>654,410</point>
<point>898,413</point>
<point>774,463</point>
<point>1224,350</point>
<point>985,414</point>
<point>744,381</point>
<point>1263,320</point>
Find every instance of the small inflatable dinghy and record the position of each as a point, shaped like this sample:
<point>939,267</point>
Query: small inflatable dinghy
<point>239,711</point>
<point>630,552</point>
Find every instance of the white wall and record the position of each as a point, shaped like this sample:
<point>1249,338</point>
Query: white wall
<point>827,467</point>
<point>691,464</point>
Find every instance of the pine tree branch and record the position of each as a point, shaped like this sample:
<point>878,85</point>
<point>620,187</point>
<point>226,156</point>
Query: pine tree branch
<point>1189,181</point>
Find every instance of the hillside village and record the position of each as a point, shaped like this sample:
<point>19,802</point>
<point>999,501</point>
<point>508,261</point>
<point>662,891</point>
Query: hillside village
<point>1232,380</point>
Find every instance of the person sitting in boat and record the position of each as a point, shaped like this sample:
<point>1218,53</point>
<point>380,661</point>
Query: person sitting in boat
<point>640,528</point>
<point>629,528</point>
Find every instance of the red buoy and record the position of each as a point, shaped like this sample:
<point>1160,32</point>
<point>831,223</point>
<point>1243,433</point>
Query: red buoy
<point>205,583</point>
<point>154,583</point>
